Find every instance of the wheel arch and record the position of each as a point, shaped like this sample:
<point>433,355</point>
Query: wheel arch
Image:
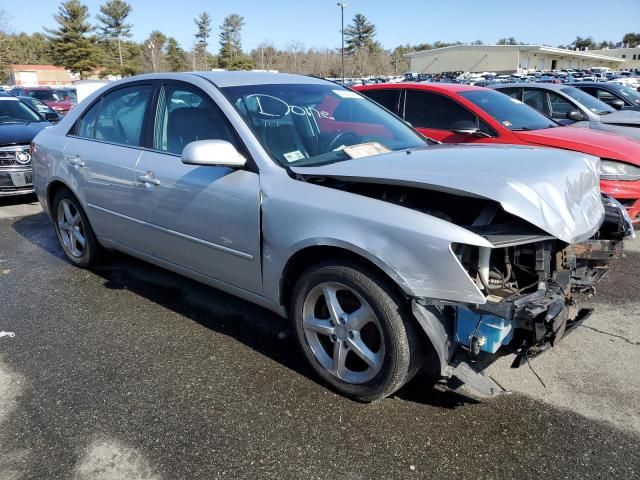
<point>311,254</point>
<point>54,187</point>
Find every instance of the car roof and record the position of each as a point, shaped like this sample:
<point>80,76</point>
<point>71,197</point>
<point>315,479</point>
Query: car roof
<point>546,86</point>
<point>434,87</point>
<point>5,94</point>
<point>596,84</point>
<point>237,78</point>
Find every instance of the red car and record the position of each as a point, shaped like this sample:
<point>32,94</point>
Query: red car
<point>453,113</point>
<point>54,99</point>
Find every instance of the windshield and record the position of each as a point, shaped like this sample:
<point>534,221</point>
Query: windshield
<point>311,124</point>
<point>45,95</point>
<point>592,103</point>
<point>510,112</point>
<point>13,110</point>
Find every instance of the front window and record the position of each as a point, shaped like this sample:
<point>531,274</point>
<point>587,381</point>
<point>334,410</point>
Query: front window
<point>434,111</point>
<point>593,104</point>
<point>315,124</point>
<point>510,112</point>
<point>13,110</point>
<point>185,116</point>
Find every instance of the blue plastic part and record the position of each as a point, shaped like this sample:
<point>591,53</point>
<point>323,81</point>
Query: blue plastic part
<point>492,332</point>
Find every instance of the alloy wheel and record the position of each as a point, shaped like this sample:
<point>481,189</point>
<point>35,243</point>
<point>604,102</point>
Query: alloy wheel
<point>71,228</point>
<point>343,332</point>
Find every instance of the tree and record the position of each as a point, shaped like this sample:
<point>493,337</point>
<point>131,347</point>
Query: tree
<point>360,35</point>
<point>175,57</point>
<point>631,39</point>
<point>583,43</point>
<point>113,17</point>
<point>477,42</point>
<point>203,24</point>
<point>72,45</point>
<point>231,56</point>
<point>507,41</point>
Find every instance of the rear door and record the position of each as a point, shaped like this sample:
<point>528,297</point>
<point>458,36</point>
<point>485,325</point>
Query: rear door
<point>436,115</point>
<point>101,154</point>
<point>202,218</point>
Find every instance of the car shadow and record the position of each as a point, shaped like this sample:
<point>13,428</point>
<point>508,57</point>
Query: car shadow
<point>12,200</point>
<point>257,328</point>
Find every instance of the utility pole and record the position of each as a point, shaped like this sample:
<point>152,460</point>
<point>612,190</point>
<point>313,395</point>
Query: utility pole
<point>342,7</point>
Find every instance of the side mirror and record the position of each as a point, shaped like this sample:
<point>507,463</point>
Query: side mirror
<point>617,104</point>
<point>218,153</point>
<point>52,117</point>
<point>466,127</point>
<point>575,115</point>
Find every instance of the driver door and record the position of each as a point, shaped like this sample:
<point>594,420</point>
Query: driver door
<point>205,219</point>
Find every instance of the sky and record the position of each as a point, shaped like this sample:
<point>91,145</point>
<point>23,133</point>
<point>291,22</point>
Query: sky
<point>316,23</point>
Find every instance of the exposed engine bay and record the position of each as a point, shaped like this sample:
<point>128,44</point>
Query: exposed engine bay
<point>532,281</point>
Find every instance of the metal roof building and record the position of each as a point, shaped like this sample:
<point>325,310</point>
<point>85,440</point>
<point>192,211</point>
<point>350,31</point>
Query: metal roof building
<point>505,59</point>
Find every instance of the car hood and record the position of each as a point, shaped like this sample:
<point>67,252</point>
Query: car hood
<point>593,142</point>
<point>555,190</point>
<point>622,117</point>
<point>19,133</point>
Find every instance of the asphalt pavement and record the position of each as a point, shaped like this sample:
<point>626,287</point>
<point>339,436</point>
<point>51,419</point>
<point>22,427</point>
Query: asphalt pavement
<point>131,372</point>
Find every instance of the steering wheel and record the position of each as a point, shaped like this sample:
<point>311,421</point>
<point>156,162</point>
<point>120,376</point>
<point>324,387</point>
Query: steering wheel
<point>338,138</point>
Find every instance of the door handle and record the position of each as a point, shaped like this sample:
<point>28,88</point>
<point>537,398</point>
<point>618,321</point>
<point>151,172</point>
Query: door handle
<point>149,179</point>
<point>76,160</point>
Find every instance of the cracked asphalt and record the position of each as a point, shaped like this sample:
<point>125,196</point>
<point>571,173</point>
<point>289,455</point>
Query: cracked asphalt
<point>131,372</point>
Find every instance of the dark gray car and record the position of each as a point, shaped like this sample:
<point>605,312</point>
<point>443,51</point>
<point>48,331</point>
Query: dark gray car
<point>615,95</point>
<point>571,106</point>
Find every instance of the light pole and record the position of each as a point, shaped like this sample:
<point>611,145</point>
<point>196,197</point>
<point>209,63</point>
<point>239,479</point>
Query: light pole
<point>342,7</point>
<point>153,55</point>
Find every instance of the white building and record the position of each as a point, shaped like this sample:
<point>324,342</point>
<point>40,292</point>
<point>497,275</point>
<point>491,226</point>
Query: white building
<point>629,56</point>
<point>505,59</point>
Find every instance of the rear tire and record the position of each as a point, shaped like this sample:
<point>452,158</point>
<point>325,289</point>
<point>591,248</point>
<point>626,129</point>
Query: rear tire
<point>74,231</point>
<point>355,329</point>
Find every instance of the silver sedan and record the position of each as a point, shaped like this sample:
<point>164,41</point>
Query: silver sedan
<point>387,252</point>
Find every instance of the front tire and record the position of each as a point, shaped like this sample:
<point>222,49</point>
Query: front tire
<point>355,329</point>
<point>74,232</point>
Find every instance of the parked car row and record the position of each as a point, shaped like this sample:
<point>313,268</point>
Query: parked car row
<point>388,251</point>
<point>61,100</point>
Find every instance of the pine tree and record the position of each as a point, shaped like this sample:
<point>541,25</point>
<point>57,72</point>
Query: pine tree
<point>113,16</point>
<point>203,24</point>
<point>176,57</point>
<point>231,56</point>
<point>360,35</point>
<point>72,45</point>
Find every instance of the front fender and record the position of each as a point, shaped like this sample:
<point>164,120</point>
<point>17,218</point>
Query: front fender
<point>413,248</point>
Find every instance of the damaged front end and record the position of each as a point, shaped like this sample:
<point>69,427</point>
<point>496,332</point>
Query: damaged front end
<point>513,242</point>
<point>533,284</point>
